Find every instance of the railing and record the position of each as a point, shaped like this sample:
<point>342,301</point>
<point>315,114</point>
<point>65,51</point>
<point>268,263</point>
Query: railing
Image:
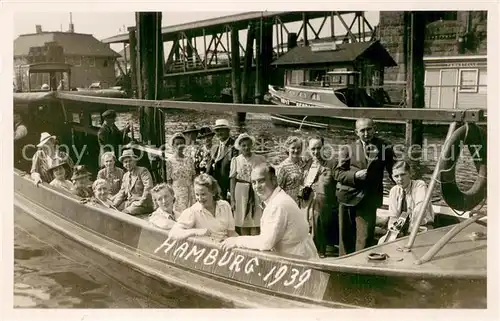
<point>427,114</point>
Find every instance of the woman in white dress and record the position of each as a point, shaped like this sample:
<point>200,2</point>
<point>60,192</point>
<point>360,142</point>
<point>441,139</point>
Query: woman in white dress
<point>247,212</point>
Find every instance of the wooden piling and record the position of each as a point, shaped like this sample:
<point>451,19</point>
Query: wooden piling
<point>415,74</point>
<point>247,65</point>
<point>236,70</point>
<point>151,54</point>
<point>133,60</point>
<point>258,61</point>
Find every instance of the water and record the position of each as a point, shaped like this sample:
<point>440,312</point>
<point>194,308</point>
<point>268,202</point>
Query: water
<point>45,277</point>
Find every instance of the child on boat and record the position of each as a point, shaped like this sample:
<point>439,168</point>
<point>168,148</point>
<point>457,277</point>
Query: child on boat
<point>164,217</point>
<point>82,183</point>
<point>59,171</point>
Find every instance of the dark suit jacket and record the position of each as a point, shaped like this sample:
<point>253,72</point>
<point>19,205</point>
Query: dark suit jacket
<point>351,191</point>
<point>219,168</point>
<point>110,138</point>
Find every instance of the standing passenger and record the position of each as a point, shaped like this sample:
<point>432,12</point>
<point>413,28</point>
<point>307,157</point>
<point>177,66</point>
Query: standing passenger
<point>222,153</point>
<point>291,170</point>
<point>246,211</point>
<point>110,138</point>
<point>360,174</point>
<point>180,173</point>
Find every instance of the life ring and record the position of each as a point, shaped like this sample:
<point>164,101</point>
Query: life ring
<point>472,137</point>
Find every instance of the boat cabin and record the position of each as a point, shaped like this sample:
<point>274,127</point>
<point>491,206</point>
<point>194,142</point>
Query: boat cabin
<point>43,76</point>
<point>311,64</point>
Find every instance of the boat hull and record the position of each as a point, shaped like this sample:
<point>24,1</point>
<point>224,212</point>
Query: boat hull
<point>243,278</point>
<point>279,97</point>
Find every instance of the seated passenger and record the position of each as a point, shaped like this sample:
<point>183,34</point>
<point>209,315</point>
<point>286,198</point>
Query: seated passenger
<point>82,185</point>
<point>111,173</point>
<point>101,189</point>
<point>134,196</point>
<point>164,217</point>
<point>210,215</point>
<point>59,171</point>
<point>405,200</point>
<point>283,227</point>
<point>44,157</point>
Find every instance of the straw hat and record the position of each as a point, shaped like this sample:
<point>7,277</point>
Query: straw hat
<point>176,135</point>
<point>242,137</point>
<point>191,129</point>
<point>79,171</point>
<point>221,124</point>
<point>44,138</point>
<point>128,153</point>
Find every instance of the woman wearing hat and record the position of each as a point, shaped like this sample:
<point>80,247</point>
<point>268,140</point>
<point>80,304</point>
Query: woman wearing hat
<point>134,196</point>
<point>44,158</point>
<point>59,172</point>
<point>202,157</point>
<point>246,213</point>
<point>180,173</point>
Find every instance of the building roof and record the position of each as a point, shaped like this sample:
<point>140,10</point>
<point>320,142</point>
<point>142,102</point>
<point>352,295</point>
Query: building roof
<point>77,44</point>
<point>346,52</point>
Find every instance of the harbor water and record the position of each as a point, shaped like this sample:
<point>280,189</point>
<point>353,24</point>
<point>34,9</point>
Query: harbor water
<point>46,277</point>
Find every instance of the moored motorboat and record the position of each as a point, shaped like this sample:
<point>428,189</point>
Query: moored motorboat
<point>454,278</point>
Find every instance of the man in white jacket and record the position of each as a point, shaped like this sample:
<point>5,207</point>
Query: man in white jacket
<point>284,228</point>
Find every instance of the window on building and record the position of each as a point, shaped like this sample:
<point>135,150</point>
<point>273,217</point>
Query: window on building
<point>96,119</point>
<point>468,80</point>
<point>315,96</point>
<point>91,61</point>
<point>302,94</point>
<point>77,61</point>
<point>76,118</point>
<point>105,64</point>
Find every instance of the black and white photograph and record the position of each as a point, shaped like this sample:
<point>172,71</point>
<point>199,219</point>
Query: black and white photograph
<point>250,159</point>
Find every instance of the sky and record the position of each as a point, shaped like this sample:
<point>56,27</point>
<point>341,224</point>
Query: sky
<point>107,24</point>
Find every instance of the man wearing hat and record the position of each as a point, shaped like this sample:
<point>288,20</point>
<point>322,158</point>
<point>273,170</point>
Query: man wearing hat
<point>110,138</point>
<point>222,153</point>
<point>134,196</point>
<point>82,183</point>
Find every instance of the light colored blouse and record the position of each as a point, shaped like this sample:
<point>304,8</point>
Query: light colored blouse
<point>415,194</point>
<point>197,217</point>
<point>283,229</point>
<point>162,219</point>
<point>113,177</point>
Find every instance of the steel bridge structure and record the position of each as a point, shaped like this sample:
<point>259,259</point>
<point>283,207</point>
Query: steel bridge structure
<point>204,47</point>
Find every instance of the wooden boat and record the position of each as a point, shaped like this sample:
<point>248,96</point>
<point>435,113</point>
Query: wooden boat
<point>333,94</point>
<point>390,275</point>
<point>454,278</point>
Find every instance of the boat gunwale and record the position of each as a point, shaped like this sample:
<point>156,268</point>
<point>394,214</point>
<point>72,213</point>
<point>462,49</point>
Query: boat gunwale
<point>330,265</point>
